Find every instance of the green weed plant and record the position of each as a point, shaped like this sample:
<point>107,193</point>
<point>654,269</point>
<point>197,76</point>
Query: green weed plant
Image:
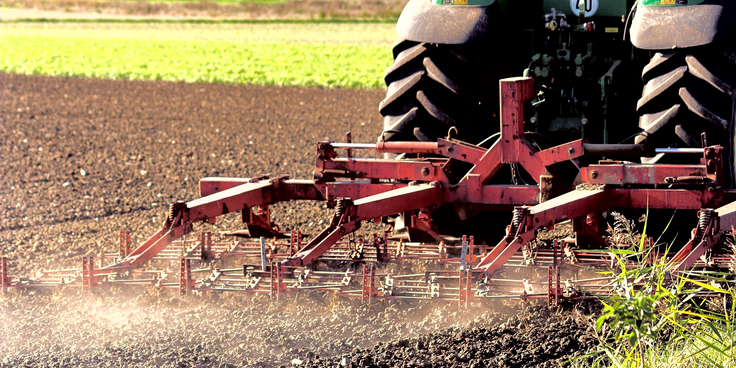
<point>658,318</point>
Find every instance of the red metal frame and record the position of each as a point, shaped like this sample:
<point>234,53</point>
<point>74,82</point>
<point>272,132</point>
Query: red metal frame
<point>373,189</point>
<point>376,200</point>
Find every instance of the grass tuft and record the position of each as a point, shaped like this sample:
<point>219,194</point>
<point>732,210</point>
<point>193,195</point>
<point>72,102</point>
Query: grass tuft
<point>662,318</point>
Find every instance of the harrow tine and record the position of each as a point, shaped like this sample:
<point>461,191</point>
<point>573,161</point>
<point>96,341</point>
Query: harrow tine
<point>88,279</point>
<point>502,253</point>
<point>5,280</point>
<point>185,276</point>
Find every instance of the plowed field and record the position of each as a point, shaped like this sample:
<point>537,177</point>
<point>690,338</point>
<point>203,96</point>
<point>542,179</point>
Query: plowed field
<point>83,158</point>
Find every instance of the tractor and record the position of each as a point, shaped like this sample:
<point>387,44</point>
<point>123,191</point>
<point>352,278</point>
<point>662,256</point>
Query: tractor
<point>588,59</point>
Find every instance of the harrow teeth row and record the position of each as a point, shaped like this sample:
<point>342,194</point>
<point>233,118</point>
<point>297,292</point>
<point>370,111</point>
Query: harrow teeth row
<point>229,265</point>
<point>353,270</point>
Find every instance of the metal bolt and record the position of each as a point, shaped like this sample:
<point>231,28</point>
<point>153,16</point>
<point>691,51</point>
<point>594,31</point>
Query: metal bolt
<point>584,121</point>
<point>570,150</point>
<point>593,174</point>
<point>425,171</point>
<point>533,120</point>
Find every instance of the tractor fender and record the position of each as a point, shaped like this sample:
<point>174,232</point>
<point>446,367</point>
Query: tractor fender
<point>427,21</point>
<point>671,27</point>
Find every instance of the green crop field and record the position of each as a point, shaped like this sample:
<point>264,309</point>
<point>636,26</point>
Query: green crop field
<point>350,54</point>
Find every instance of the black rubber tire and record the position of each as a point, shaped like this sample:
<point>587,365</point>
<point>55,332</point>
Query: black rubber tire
<point>432,88</point>
<point>688,92</point>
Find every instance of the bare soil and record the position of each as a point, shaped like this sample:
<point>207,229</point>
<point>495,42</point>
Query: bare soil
<point>82,158</point>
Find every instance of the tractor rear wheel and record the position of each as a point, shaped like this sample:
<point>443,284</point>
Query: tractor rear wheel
<point>433,87</point>
<point>686,93</point>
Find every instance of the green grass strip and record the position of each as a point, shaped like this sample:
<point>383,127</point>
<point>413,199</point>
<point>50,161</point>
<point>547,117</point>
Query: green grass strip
<point>390,20</point>
<point>376,34</point>
<point>287,64</point>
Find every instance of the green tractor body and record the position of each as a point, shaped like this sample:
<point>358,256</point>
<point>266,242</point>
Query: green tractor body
<point>587,71</point>
<point>674,24</point>
<point>599,66</point>
<point>579,60</point>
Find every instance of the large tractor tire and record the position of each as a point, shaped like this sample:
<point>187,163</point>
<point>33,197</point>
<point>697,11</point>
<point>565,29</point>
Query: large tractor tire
<point>688,92</point>
<point>434,87</point>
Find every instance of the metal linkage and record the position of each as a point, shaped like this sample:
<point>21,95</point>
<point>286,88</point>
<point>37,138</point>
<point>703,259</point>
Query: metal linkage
<point>378,200</point>
<point>713,226</point>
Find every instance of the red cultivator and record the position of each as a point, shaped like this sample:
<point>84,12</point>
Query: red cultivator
<point>376,190</point>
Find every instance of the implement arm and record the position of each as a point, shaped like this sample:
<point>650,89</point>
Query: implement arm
<point>183,215</point>
<point>349,214</point>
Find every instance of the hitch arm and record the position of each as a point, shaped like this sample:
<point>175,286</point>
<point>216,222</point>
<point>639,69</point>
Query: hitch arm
<point>183,215</point>
<point>712,226</point>
<point>348,218</point>
<point>527,221</point>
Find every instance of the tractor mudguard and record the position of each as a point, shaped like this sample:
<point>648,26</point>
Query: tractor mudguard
<point>658,26</point>
<point>450,22</point>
